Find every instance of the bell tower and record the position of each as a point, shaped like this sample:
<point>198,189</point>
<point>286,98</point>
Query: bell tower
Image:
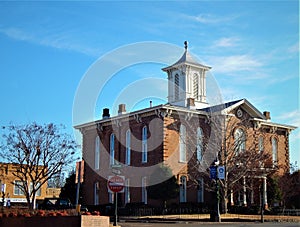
<point>187,81</point>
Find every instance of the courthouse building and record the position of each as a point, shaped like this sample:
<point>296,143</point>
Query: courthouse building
<point>186,134</point>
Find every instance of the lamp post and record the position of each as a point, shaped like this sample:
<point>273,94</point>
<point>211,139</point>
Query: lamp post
<point>216,173</point>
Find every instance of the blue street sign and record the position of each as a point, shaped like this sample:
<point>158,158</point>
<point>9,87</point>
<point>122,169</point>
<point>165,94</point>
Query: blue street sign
<point>213,172</point>
<point>221,172</point>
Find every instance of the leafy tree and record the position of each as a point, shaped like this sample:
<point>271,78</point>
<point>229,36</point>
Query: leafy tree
<point>39,152</point>
<point>274,191</point>
<point>70,188</point>
<point>290,186</point>
<point>165,190</point>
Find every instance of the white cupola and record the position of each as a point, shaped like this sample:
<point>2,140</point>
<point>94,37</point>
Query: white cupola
<point>187,81</point>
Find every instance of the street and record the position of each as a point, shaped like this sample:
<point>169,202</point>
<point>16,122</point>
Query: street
<point>210,224</point>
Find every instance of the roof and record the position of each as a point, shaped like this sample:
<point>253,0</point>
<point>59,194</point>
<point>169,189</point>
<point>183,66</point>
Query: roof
<point>226,108</point>
<point>186,58</point>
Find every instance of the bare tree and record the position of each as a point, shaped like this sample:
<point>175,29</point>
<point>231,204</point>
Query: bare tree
<point>38,152</point>
<point>242,160</point>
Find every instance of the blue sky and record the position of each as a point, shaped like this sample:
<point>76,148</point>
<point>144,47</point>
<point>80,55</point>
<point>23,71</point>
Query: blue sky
<point>47,47</point>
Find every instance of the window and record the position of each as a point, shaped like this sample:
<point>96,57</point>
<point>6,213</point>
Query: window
<point>182,189</point>
<point>127,191</point>
<point>144,190</point>
<point>195,86</point>
<point>128,149</point>
<point>176,87</point>
<point>39,191</point>
<point>239,140</point>
<point>199,144</point>
<point>144,144</point>
<point>182,143</point>
<point>112,149</point>
<point>274,150</point>
<point>97,153</point>
<point>96,193</point>
<point>111,197</point>
<point>261,144</point>
<point>200,191</point>
<point>17,188</point>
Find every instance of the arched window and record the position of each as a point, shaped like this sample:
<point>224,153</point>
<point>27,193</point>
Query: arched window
<point>199,144</point>
<point>182,189</point>
<point>195,86</point>
<point>274,150</point>
<point>239,140</point>
<point>182,143</point>
<point>112,149</point>
<point>260,144</point>
<point>176,87</point>
<point>128,149</point>
<point>144,144</point>
<point>97,153</point>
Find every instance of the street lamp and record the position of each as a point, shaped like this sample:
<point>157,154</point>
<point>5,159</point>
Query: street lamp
<point>215,171</point>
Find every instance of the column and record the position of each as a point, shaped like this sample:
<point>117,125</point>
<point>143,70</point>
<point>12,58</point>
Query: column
<point>231,198</point>
<point>265,200</point>
<point>244,192</point>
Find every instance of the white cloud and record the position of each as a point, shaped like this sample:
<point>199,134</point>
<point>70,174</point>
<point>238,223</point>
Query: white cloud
<point>54,39</point>
<point>210,19</point>
<point>292,117</point>
<point>234,63</point>
<point>226,42</point>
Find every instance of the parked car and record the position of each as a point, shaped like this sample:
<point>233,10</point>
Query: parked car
<point>56,204</point>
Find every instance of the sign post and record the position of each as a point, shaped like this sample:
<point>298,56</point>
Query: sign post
<point>79,179</point>
<point>116,184</point>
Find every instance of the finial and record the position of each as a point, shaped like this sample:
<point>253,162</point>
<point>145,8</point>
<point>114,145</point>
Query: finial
<point>186,44</point>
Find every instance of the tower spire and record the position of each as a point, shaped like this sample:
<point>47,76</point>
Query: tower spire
<point>185,45</point>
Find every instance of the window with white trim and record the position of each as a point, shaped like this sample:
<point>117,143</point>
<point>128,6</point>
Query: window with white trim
<point>144,190</point>
<point>111,197</point>
<point>239,140</point>
<point>200,190</point>
<point>112,149</point>
<point>182,143</point>
<point>182,189</point>
<point>127,191</point>
<point>128,148</point>
<point>96,193</point>
<point>97,153</point>
<point>274,150</point>
<point>144,144</point>
<point>18,188</point>
<point>38,185</point>
<point>261,144</point>
<point>199,144</point>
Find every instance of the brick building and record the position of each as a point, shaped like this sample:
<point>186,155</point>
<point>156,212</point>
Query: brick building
<point>10,189</point>
<point>187,134</point>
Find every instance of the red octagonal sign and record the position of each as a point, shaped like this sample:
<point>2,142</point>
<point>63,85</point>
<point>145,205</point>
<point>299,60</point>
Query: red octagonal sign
<point>116,183</point>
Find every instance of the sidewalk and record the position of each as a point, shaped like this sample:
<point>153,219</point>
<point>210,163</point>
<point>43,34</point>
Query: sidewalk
<point>206,218</point>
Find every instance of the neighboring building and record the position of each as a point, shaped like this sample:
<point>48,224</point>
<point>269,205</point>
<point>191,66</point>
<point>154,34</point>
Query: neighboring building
<point>183,134</point>
<point>9,186</point>
<point>53,192</point>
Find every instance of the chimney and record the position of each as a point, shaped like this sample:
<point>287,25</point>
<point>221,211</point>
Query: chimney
<point>122,109</point>
<point>105,114</point>
<point>267,115</point>
<point>191,103</point>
